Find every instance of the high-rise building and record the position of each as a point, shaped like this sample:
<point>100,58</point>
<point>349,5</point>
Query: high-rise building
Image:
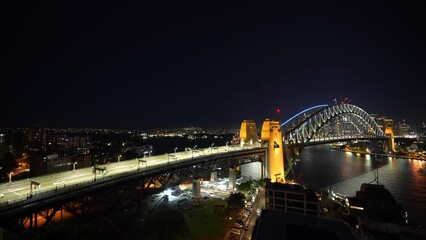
<point>36,137</point>
<point>383,121</point>
<point>402,129</point>
<point>63,144</point>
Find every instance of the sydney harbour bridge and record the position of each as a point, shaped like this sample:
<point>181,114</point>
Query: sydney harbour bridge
<point>33,203</point>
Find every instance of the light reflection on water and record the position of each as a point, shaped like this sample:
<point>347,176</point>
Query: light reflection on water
<point>321,168</point>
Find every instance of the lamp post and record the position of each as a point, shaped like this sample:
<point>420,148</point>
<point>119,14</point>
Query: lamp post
<point>73,168</point>
<point>10,177</point>
<point>227,146</point>
<point>195,147</point>
<point>211,148</point>
<point>176,149</point>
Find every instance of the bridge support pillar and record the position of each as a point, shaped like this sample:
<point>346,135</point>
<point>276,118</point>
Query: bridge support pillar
<point>389,143</point>
<point>232,179</point>
<point>272,138</point>
<point>31,221</point>
<point>196,188</point>
<point>35,219</point>
<point>213,176</point>
<point>248,133</point>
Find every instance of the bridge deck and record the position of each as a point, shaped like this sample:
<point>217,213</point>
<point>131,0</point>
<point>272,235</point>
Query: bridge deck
<point>68,184</point>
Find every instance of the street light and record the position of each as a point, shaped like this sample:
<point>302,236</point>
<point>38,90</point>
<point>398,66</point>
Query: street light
<point>227,146</point>
<point>176,149</point>
<point>194,151</point>
<point>211,148</point>
<point>10,177</point>
<point>73,168</point>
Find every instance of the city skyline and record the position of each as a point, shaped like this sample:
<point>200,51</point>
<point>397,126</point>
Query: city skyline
<point>161,65</point>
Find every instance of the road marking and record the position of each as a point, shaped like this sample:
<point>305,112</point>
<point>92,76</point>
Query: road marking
<point>15,192</point>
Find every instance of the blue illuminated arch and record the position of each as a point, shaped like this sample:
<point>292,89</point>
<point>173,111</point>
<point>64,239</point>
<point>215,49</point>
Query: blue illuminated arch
<point>302,112</point>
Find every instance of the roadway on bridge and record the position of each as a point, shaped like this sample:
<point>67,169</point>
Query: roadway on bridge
<point>20,190</point>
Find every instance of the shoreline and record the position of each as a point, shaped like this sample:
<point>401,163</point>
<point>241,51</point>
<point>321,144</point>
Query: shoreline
<point>378,154</point>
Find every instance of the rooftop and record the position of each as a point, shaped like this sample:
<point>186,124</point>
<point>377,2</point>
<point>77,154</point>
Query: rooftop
<point>279,225</point>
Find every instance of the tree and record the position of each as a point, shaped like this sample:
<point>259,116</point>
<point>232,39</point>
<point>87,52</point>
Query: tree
<point>245,187</point>
<point>262,182</point>
<point>166,223</point>
<point>236,200</point>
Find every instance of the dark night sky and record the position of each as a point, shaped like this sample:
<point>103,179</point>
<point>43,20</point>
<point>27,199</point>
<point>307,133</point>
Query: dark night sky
<point>159,64</point>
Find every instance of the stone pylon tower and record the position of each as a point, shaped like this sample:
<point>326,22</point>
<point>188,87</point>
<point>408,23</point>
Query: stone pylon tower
<point>248,133</point>
<point>271,137</point>
<point>390,144</point>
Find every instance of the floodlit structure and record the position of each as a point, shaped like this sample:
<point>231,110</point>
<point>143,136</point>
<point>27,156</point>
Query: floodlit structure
<point>271,138</point>
<point>248,133</point>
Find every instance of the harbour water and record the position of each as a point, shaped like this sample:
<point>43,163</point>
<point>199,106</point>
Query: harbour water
<point>321,168</point>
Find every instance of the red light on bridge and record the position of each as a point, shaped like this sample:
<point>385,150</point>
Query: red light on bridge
<point>278,110</point>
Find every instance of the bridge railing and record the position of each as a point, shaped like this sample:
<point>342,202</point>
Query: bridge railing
<point>60,190</point>
<point>100,179</point>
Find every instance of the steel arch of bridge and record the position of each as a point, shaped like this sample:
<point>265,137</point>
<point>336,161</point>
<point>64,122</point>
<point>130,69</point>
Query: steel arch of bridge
<point>323,123</point>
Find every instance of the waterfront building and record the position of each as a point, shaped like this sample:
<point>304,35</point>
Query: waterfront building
<point>292,211</point>
<point>280,225</point>
<point>291,198</point>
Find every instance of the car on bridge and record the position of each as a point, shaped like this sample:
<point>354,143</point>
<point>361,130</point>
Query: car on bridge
<point>59,182</point>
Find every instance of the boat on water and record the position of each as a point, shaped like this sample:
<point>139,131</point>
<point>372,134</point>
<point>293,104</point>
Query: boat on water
<point>376,202</point>
<point>337,198</point>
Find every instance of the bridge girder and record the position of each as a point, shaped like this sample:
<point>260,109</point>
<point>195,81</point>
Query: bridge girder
<point>79,205</point>
<point>332,123</point>
<point>178,175</point>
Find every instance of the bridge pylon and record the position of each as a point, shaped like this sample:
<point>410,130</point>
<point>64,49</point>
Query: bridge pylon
<point>272,138</point>
<point>389,143</point>
<point>248,133</point>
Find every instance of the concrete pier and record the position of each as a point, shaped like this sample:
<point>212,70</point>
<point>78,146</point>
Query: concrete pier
<point>213,177</point>
<point>196,188</point>
<point>232,179</point>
